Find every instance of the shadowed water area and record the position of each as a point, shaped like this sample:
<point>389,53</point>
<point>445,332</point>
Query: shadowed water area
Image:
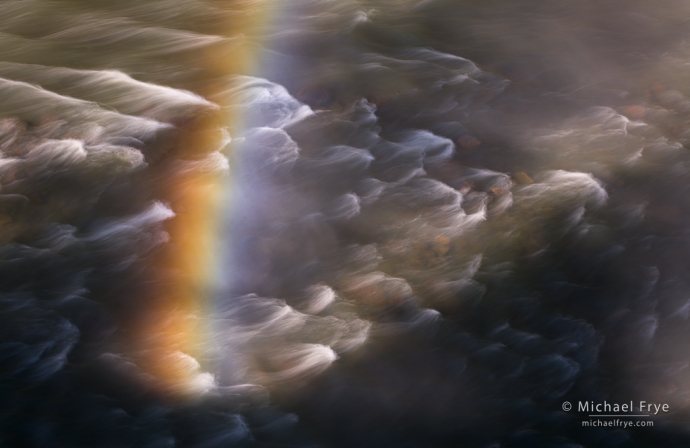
<point>321,223</point>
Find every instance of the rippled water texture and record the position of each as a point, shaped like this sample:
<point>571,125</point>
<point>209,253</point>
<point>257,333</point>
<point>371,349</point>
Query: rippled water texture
<point>343,223</point>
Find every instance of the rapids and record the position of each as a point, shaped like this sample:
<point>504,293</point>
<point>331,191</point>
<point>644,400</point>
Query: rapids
<point>343,223</point>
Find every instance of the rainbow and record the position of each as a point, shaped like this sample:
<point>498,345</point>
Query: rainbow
<point>171,335</point>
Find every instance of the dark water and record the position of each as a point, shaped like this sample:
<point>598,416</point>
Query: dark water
<point>439,221</point>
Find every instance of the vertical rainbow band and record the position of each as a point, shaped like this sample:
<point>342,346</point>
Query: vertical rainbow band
<point>171,337</point>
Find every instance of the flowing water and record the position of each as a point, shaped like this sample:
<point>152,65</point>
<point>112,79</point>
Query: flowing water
<point>343,223</point>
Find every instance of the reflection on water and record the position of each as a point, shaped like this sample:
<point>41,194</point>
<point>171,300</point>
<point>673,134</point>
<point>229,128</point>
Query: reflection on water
<point>342,223</point>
